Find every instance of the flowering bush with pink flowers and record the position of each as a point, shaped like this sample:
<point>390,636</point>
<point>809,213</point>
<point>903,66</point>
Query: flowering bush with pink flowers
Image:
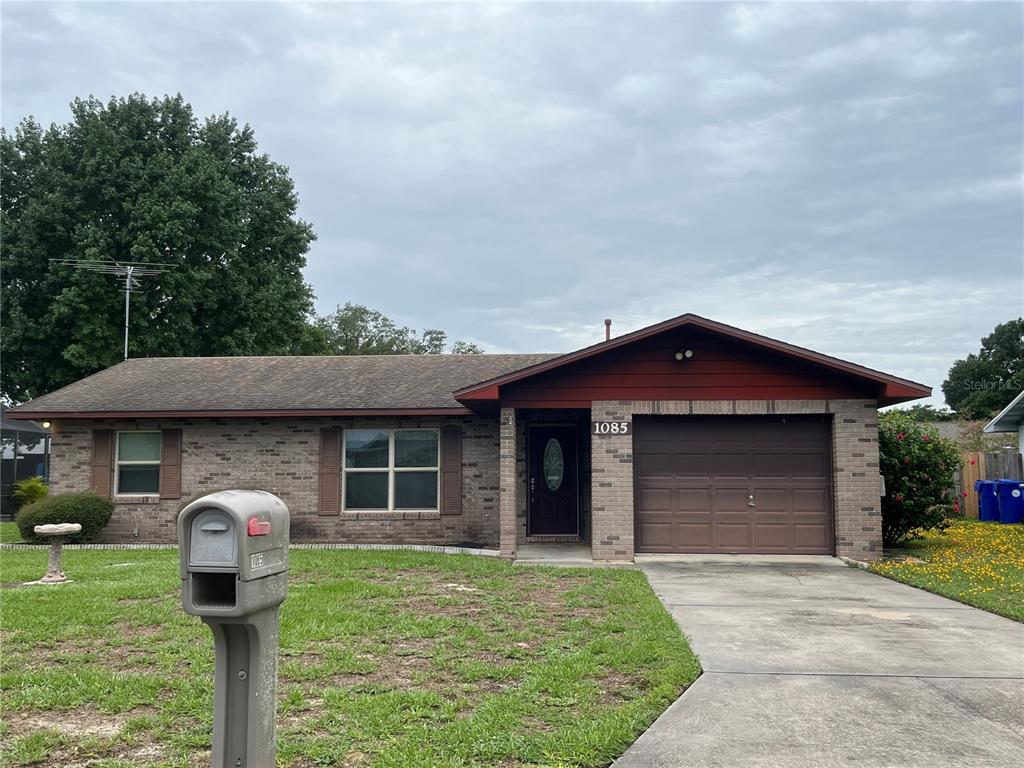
<point>918,465</point>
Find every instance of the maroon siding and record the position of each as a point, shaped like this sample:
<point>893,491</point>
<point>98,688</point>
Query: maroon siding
<point>720,369</point>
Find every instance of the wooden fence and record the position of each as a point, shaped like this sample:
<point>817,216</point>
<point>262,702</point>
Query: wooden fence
<point>1007,465</point>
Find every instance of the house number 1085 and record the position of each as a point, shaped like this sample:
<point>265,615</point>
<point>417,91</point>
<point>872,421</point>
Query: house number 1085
<point>611,427</point>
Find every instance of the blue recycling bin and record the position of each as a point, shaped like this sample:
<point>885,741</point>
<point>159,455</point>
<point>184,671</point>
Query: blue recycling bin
<point>1011,500</point>
<point>988,500</point>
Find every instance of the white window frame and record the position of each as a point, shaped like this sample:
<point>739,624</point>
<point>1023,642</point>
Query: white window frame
<point>391,470</point>
<point>118,462</point>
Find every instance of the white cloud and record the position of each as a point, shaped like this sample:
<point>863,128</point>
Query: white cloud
<point>739,88</point>
<point>734,149</point>
<point>988,189</point>
<point>906,52</point>
<point>640,92</point>
<point>755,22</point>
<point>879,108</point>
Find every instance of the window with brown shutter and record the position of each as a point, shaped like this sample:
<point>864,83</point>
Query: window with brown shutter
<point>451,471</point>
<point>102,464</point>
<point>330,472</point>
<point>170,464</point>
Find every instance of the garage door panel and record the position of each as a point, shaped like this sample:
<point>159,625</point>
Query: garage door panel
<point>655,536</point>
<point>707,469</point>
<point>689,464</point>
<point>808,536</point>
<point>771,535</point>
<point>654,464</point>
<point>655,499</point>
<point>725,500</point>
<point>693,536</point>
<point>731,536</point>
<point>730,465</point>
<point>808,464</point>
<point>810,501</point>
<point>772,500</point>
<point>769,465</point>
<point>693,499</point>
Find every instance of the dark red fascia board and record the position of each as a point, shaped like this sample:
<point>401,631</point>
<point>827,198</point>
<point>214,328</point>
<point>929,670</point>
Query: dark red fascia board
<point>894,387</point>
<point>237,414</point>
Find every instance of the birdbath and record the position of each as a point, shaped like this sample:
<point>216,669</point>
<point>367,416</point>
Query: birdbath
<point>56,533</point>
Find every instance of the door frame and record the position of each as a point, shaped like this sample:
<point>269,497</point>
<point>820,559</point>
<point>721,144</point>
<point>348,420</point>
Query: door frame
<point>526,475</point>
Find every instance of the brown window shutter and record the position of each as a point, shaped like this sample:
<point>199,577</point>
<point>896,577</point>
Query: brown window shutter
<point>170,464</point>
<point>451,471</point>
<point>102,461</point>
<point>330,472</point>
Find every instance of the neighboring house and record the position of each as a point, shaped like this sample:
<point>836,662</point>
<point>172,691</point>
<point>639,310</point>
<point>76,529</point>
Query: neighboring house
<point>970,436</point>
<point>686,436</point>
<point>24,453</point>
<point>1010,419</point>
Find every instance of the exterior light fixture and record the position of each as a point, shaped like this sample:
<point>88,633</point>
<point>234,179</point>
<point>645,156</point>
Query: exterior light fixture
<point>687,354</point>
<point>46,424</point>
<point>678,355</point>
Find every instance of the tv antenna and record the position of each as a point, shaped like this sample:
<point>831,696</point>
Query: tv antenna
<point>129,271</point>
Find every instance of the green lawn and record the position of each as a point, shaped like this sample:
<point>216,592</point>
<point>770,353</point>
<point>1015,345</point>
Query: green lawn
<point>387,659</point>
<point>981,564</point>
<point>9,533</point>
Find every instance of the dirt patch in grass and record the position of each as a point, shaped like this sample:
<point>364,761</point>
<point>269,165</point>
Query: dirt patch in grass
<point>83,722</point>
<point>437,594</point>
<point>616,687</point>
<point>138,631</point>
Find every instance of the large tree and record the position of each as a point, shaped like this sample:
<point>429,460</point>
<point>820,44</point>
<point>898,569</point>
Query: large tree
<point>981,385</point>
<point>143,180</point>
<point>357,330</point>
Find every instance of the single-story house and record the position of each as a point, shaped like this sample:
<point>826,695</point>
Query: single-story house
<point>686,436</point>
<point>1010,419</point>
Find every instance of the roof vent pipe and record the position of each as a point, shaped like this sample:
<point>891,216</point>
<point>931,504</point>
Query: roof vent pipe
<point>607,329</point>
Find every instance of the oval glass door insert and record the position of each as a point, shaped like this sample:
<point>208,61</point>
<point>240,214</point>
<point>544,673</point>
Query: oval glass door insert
<point>554,464</point>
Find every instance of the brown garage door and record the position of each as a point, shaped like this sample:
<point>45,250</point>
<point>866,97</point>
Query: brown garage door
<point>733,484</point>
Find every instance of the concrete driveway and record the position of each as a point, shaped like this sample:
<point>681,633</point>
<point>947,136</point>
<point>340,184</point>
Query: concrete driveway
<point>808,662</point>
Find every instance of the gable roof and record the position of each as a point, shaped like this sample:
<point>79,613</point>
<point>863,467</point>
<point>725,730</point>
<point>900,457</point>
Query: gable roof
<point>893,388</point>
<point>274,386</point>
<point>1010,418</point>
<point>367,384</point>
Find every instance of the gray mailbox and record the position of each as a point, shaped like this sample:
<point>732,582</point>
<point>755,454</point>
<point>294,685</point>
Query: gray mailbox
<point>234,575</point>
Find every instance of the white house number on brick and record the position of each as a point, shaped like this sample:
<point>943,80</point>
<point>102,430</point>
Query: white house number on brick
<point>611,427</point>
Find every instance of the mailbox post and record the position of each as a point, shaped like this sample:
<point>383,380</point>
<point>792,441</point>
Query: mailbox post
<point>234,576</point>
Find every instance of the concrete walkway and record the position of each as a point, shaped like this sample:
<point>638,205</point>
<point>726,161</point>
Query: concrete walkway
<point>808,662</point>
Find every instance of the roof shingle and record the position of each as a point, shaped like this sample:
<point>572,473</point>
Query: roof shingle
<point>329,383</point>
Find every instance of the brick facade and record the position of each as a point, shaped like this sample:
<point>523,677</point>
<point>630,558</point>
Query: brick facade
<point>855,481</point>
<point>282,456</point>
<point>508,483</point>
<point>611,493</point>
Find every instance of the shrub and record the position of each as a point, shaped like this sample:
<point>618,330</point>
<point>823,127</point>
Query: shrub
<point>30,490</point>
<point>91,511</point>
<point>918,465</point>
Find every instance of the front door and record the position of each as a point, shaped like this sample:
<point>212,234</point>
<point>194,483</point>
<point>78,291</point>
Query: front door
<point>552,481</point>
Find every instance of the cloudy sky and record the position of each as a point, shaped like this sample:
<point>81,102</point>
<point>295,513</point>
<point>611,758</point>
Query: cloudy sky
<point>844,177</point>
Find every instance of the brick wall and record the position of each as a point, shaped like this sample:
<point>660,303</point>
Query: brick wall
<point>282,456</point>
<point>611,492</point>
<point>855,482</point>
<point>508,483</point>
